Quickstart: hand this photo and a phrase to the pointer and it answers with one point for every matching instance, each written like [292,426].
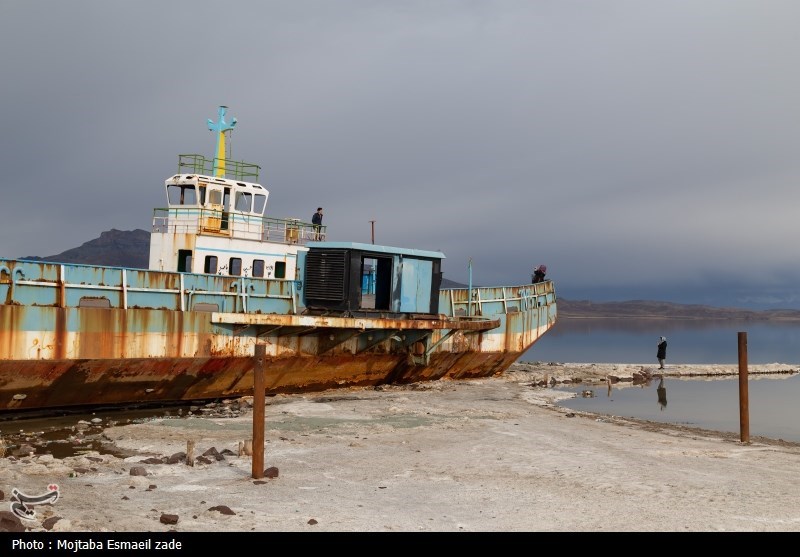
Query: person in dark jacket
[538,274]
[662,351]
[316,220]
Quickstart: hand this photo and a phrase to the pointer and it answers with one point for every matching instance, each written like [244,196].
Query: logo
[22,507]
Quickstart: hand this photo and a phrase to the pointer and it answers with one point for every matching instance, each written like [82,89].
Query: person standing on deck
[316,220]
[662,351]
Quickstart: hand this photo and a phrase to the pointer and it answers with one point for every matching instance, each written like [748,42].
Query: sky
[641,149]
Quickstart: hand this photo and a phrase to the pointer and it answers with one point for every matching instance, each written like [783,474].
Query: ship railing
[45,284]
[197,220]
[493,300]
[235,170]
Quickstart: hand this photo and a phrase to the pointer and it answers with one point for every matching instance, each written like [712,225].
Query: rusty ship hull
[223,278]
[77,335]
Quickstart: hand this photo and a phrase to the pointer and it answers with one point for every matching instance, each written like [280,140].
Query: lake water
[633,341]
[711,404]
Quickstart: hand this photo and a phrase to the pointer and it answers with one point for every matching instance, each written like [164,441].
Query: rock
[203,460]
[222,509]
[271,472]
[152,460]
[168,518]
[177,458]
[9,522]
[151,487]
[214,453]
[2,495]
[138,471]
[48,523]
[312,521]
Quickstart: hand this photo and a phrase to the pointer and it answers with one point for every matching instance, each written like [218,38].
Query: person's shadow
[662,394]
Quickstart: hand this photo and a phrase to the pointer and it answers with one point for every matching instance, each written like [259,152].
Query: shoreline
[549,373]
[493,454]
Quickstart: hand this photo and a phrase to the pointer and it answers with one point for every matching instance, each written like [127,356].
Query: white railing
[235,225]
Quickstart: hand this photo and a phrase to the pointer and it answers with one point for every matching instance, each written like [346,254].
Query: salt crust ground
[487,455]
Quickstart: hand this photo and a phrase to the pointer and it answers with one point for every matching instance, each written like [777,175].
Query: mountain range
[131,248]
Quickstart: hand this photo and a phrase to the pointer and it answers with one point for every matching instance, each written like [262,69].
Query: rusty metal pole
[372,222]
[259,403]
[744,405]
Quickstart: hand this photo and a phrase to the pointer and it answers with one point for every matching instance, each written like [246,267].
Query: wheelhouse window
[259,203]
[258,267]
[211,265]
[235,266]
[182,194]
[280,269]
[244,201]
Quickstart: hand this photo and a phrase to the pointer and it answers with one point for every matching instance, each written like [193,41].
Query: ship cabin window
[215,197]
[184,261]
[280,269]
[259,203]
[258,267]
[235,266]
[210,266]
[181,194]
[244,201]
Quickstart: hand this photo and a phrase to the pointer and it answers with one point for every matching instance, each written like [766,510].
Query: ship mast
[220,127]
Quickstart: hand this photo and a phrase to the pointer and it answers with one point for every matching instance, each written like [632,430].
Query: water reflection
[661,390]
[709,403]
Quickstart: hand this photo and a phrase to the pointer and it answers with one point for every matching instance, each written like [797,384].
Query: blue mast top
[220,127]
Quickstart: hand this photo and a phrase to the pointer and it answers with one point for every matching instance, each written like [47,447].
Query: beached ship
[223,278]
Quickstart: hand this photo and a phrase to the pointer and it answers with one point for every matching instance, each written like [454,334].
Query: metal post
[259,403]
[372,223]
[469,302]
[744,405]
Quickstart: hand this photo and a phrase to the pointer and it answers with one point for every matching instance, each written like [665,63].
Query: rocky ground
[480,455]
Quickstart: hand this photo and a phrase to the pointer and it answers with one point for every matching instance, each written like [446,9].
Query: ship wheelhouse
[217,225]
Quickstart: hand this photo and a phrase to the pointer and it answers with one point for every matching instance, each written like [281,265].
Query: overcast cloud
[640,149]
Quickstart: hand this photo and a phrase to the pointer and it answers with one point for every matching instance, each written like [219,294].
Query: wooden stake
[259,403]
[190,453]
[744,403]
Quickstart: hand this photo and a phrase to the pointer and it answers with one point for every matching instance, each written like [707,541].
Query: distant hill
[116,248]
[647,308]
[131,248]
